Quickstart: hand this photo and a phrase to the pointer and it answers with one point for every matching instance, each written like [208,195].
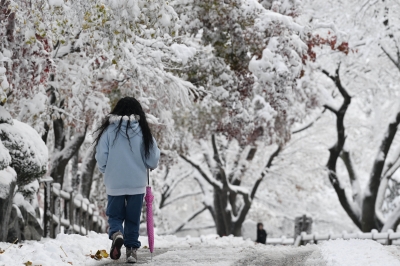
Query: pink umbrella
[149,215]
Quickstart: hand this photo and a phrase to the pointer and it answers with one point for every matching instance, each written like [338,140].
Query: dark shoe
[131,256]
[118,241]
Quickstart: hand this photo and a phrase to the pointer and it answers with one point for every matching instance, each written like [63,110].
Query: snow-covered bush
[5,158]
[7,176]
[23,159]
[3,80]
[8,179]
[27,150]
[26,208]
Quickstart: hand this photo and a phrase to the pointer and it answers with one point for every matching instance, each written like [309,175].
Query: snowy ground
[207,250]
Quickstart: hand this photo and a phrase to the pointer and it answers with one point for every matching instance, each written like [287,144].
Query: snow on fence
[280,241]
[387,238]
[69,211]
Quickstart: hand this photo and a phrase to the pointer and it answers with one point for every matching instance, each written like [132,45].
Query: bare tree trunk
[392,221]
[392,167]
[220,204]
[60,159]
[46,133]
[355,184]
[362,208]
[6,12]
[74,171]
[88,166]
[165,189]
[368,208]
[59,134]
[52,99]
[228,218]
[336,150]
[233,197]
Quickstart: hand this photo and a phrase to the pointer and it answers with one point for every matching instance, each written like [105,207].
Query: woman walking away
[125,150]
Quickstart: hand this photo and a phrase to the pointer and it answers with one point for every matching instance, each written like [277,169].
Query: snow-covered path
[211,255]
[235,256]
[332,253]
[144,257]
[207,250]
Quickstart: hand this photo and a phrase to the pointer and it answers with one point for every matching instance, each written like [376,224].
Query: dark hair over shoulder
[128,106]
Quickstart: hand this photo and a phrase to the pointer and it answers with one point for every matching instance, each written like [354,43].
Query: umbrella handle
[148,177]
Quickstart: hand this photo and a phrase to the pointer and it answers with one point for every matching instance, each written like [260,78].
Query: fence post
[87,219]
[91,224]
[77,216]
[47,209]
[58,213]
[81,220]
[389,240]
[71,212]
[302,224]
[52,207]
[66,213]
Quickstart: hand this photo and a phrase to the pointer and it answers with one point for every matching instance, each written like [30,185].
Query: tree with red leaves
[251,70]
[26,56]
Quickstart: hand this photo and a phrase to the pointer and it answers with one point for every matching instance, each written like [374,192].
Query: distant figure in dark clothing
[261,234]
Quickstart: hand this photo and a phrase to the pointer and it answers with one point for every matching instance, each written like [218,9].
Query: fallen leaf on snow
[104,253]
[1,251]
[28,263]
[100,254]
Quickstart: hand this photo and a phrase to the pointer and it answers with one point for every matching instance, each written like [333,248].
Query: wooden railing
[68,210]
[384,238]
[387,238]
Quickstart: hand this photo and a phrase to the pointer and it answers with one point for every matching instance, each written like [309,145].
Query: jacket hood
[133,124]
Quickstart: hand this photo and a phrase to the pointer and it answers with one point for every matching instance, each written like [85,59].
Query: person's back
[125,164]
[125,151]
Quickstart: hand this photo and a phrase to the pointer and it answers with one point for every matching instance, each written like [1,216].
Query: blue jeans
[125,209]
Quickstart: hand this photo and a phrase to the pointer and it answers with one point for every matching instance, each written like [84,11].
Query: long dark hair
[128,106]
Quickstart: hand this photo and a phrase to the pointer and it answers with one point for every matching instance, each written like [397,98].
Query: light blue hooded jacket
[124,166]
